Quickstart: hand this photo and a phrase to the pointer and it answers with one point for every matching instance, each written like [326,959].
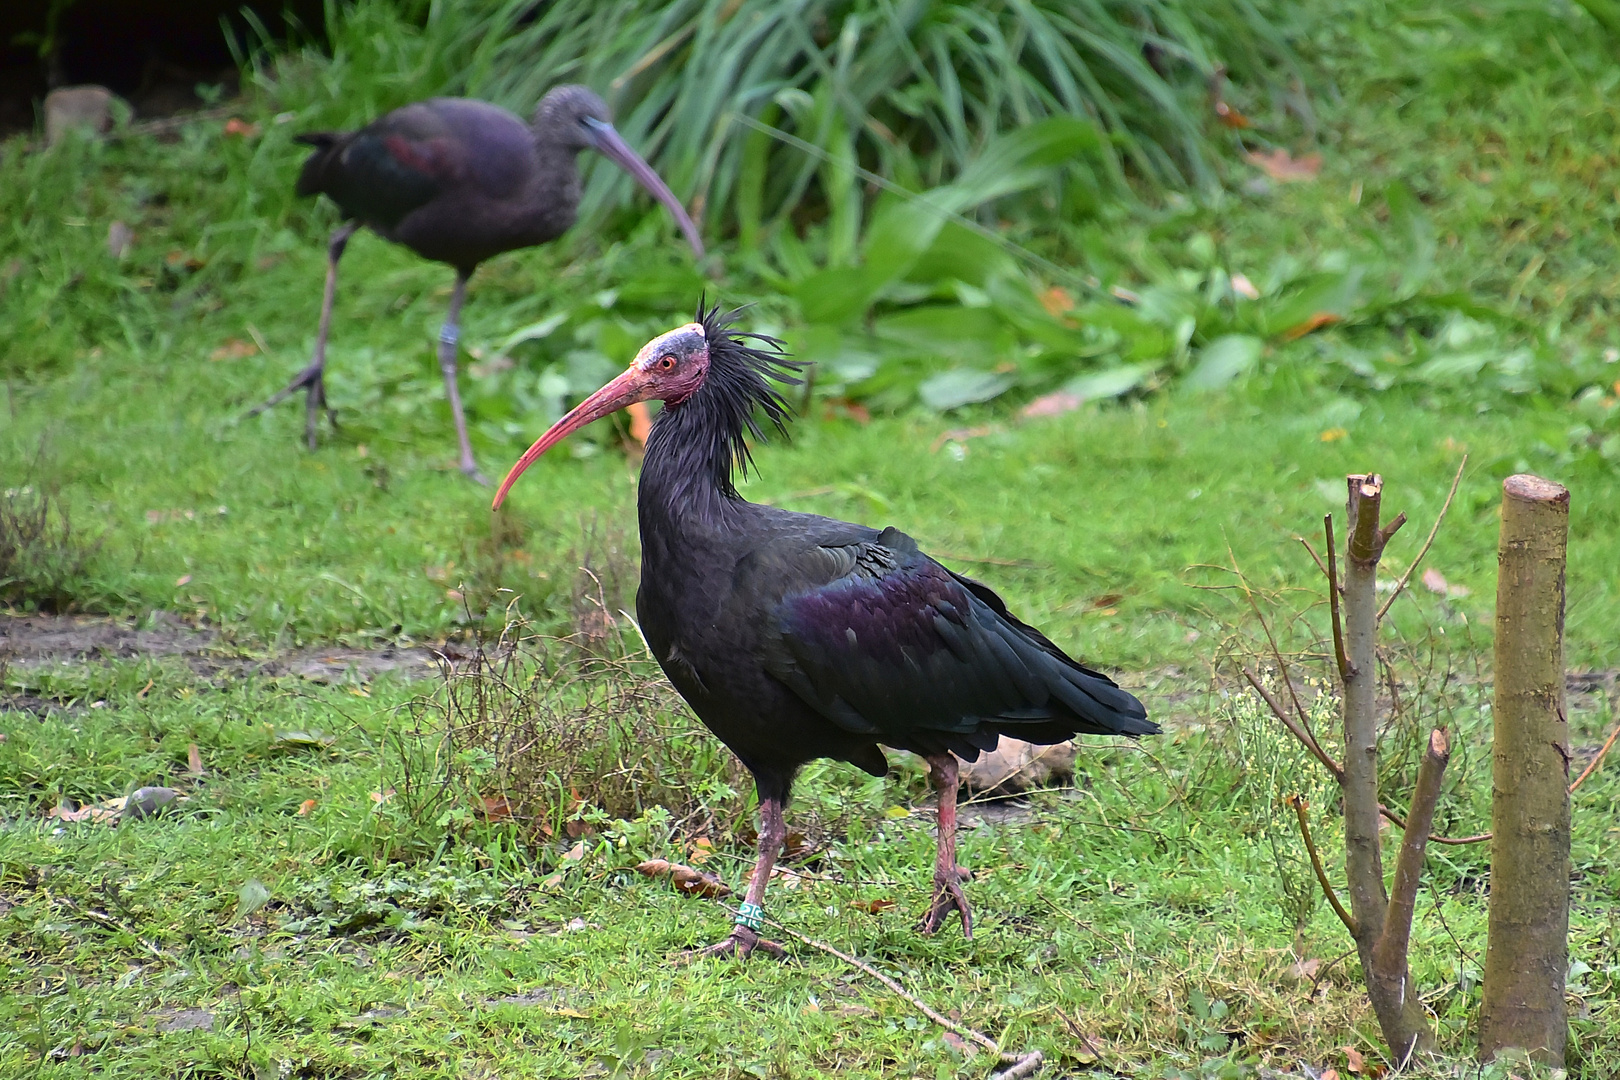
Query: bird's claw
[948,894]
[738,944]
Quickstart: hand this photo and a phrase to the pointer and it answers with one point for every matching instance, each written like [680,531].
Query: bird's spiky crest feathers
[737,391]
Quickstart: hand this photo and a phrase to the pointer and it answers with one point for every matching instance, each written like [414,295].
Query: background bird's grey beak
[612,146]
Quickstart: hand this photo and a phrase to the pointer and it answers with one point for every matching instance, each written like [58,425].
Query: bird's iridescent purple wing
[891,644]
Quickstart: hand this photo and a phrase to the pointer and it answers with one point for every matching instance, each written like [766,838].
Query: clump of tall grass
[911,89]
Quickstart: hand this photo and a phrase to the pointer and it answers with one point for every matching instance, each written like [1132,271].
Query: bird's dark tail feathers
[312,178]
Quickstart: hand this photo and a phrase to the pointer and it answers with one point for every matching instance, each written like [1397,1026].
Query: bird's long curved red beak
[630,387]
[613,147]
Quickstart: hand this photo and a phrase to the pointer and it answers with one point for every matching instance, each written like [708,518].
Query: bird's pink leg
[744,938]
[312,380]
[449,337]
[948,876]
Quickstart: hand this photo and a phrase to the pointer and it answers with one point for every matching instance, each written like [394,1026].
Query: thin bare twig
[1078,1032]
[1282,666]
[1400,822]
[1400,583]
[1592,766]
[1015,1060]
[1347,670]
[1319,563]
[1299,806]
[1302,734]
[113,924]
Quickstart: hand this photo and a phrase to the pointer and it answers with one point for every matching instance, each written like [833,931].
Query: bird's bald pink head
[670,368]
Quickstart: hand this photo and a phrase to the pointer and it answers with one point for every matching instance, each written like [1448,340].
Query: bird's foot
[304,380]
[948,895]
[471,472]
[738,944]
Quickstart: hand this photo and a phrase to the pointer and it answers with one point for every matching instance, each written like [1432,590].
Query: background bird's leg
[312,380]
[449,337]
[745,939]
[948,877]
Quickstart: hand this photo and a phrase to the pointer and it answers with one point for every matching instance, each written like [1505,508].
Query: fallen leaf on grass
[183,579]
[194,764]
[1303,970]
[575,853]
[305,807]
[1330,1074]
[1353,1059]
[234,349]
[959,1044]
[380,797]
[1054,404]
[961,435]
[1284,168]
[685,879]
[873,907]
[1435,582]
[102,812]
[241,128]
[1056,301]
[495,808]
[1310,325]
[312,738]
[1244,287]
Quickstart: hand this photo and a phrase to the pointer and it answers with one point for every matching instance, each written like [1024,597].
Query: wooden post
[1527,952]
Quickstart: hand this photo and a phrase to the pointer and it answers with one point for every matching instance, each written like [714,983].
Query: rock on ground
[77,106]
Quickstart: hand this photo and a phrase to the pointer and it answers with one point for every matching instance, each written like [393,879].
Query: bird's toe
[739,944]
[948,897]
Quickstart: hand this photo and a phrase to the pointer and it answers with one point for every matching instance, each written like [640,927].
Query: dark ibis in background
[795,637]
[459,181]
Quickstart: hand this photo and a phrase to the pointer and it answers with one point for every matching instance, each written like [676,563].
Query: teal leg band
[750,915]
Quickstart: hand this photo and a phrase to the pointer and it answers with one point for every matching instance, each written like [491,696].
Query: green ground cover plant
[1441,282]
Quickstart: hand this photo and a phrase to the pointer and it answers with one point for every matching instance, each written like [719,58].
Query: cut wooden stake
[1527,950]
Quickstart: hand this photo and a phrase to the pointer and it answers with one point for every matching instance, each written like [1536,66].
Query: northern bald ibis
[796,637]
[459,181]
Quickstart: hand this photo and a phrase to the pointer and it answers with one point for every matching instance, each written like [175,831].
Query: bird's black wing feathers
[883,641]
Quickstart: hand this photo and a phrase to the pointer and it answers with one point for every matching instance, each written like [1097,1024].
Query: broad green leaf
[1223,360]
[1111,383]
[250,898]
[961,386]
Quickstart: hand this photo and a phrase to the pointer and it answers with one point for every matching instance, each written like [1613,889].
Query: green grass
[1098,525]
[1142,904]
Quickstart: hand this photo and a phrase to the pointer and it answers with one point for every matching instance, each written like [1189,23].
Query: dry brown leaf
[1330,1074]
[852,410]
[234,349]
[575,853]
[1310,325]
[1230,117]
[685,879]
[1056,301]
[1304,970]
[495,808]
[640,422]
[1353,1059]
[1284,168]
[1054,404]
[380,797]
[305,807]
[194,763]
[873,907]
[102,813]
[241,128]
[183,579]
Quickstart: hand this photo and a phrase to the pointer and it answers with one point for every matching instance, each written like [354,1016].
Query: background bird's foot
[739,944]
[471,472]
[948,896]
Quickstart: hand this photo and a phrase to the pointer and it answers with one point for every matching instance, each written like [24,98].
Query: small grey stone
[186,1020]
[77,106]
[149,802]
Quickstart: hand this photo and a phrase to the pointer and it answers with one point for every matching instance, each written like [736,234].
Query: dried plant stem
[1299,806]
[1400,583]
[1020,1065]
[1400,822]
[1300,733]
[1592,766]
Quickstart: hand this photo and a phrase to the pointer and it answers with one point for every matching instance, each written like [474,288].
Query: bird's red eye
[667,364]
